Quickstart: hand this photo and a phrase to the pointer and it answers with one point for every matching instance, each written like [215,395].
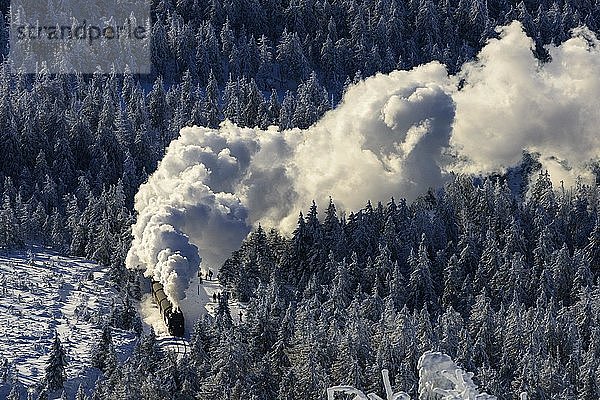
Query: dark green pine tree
[103,353]
[81,394]
[420,282]
[55,374]
[223,320]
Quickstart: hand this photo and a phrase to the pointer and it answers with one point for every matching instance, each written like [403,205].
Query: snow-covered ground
[42,292]
[199,301]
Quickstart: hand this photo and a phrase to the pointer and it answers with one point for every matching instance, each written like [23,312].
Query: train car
[172,316]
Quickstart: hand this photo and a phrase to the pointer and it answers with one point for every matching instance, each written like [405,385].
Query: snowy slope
[200,301]
[44,292]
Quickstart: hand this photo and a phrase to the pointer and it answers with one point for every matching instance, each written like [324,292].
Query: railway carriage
[172,316]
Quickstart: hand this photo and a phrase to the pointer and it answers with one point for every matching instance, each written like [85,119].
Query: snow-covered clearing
[42,292]
[199,298]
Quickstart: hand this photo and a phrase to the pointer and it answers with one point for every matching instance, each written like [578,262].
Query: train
[172,316]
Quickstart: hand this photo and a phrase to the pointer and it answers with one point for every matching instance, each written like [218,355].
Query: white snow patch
[441,378]
[49,292]
[199,301]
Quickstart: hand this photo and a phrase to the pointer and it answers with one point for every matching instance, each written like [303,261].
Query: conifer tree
[55,371]
[420,283]
[286,114]
[14,393]
[81,393]
[212,113]
[103,353]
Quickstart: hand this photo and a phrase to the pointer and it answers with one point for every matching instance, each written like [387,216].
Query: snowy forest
[505,287]
[75,164]
[499,272]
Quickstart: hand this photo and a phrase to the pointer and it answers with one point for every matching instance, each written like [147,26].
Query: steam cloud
[510,103]
[395,134]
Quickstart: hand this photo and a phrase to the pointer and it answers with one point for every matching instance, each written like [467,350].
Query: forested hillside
[507,288]
[256,63]
[499,272]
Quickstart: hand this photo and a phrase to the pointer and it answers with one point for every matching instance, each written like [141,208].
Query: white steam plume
[391,135]
[510,103]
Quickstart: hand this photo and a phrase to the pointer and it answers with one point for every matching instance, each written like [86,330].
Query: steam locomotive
[172,316]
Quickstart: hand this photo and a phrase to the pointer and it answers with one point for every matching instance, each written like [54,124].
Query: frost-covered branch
[439,379]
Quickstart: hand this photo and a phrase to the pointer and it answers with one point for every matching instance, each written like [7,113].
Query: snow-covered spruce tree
[420,283]
[223,320]
[288,107]
[211,111]
[313,102]
[15,392]
[10,230]
[55,371]
[103,354]
[81,394]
